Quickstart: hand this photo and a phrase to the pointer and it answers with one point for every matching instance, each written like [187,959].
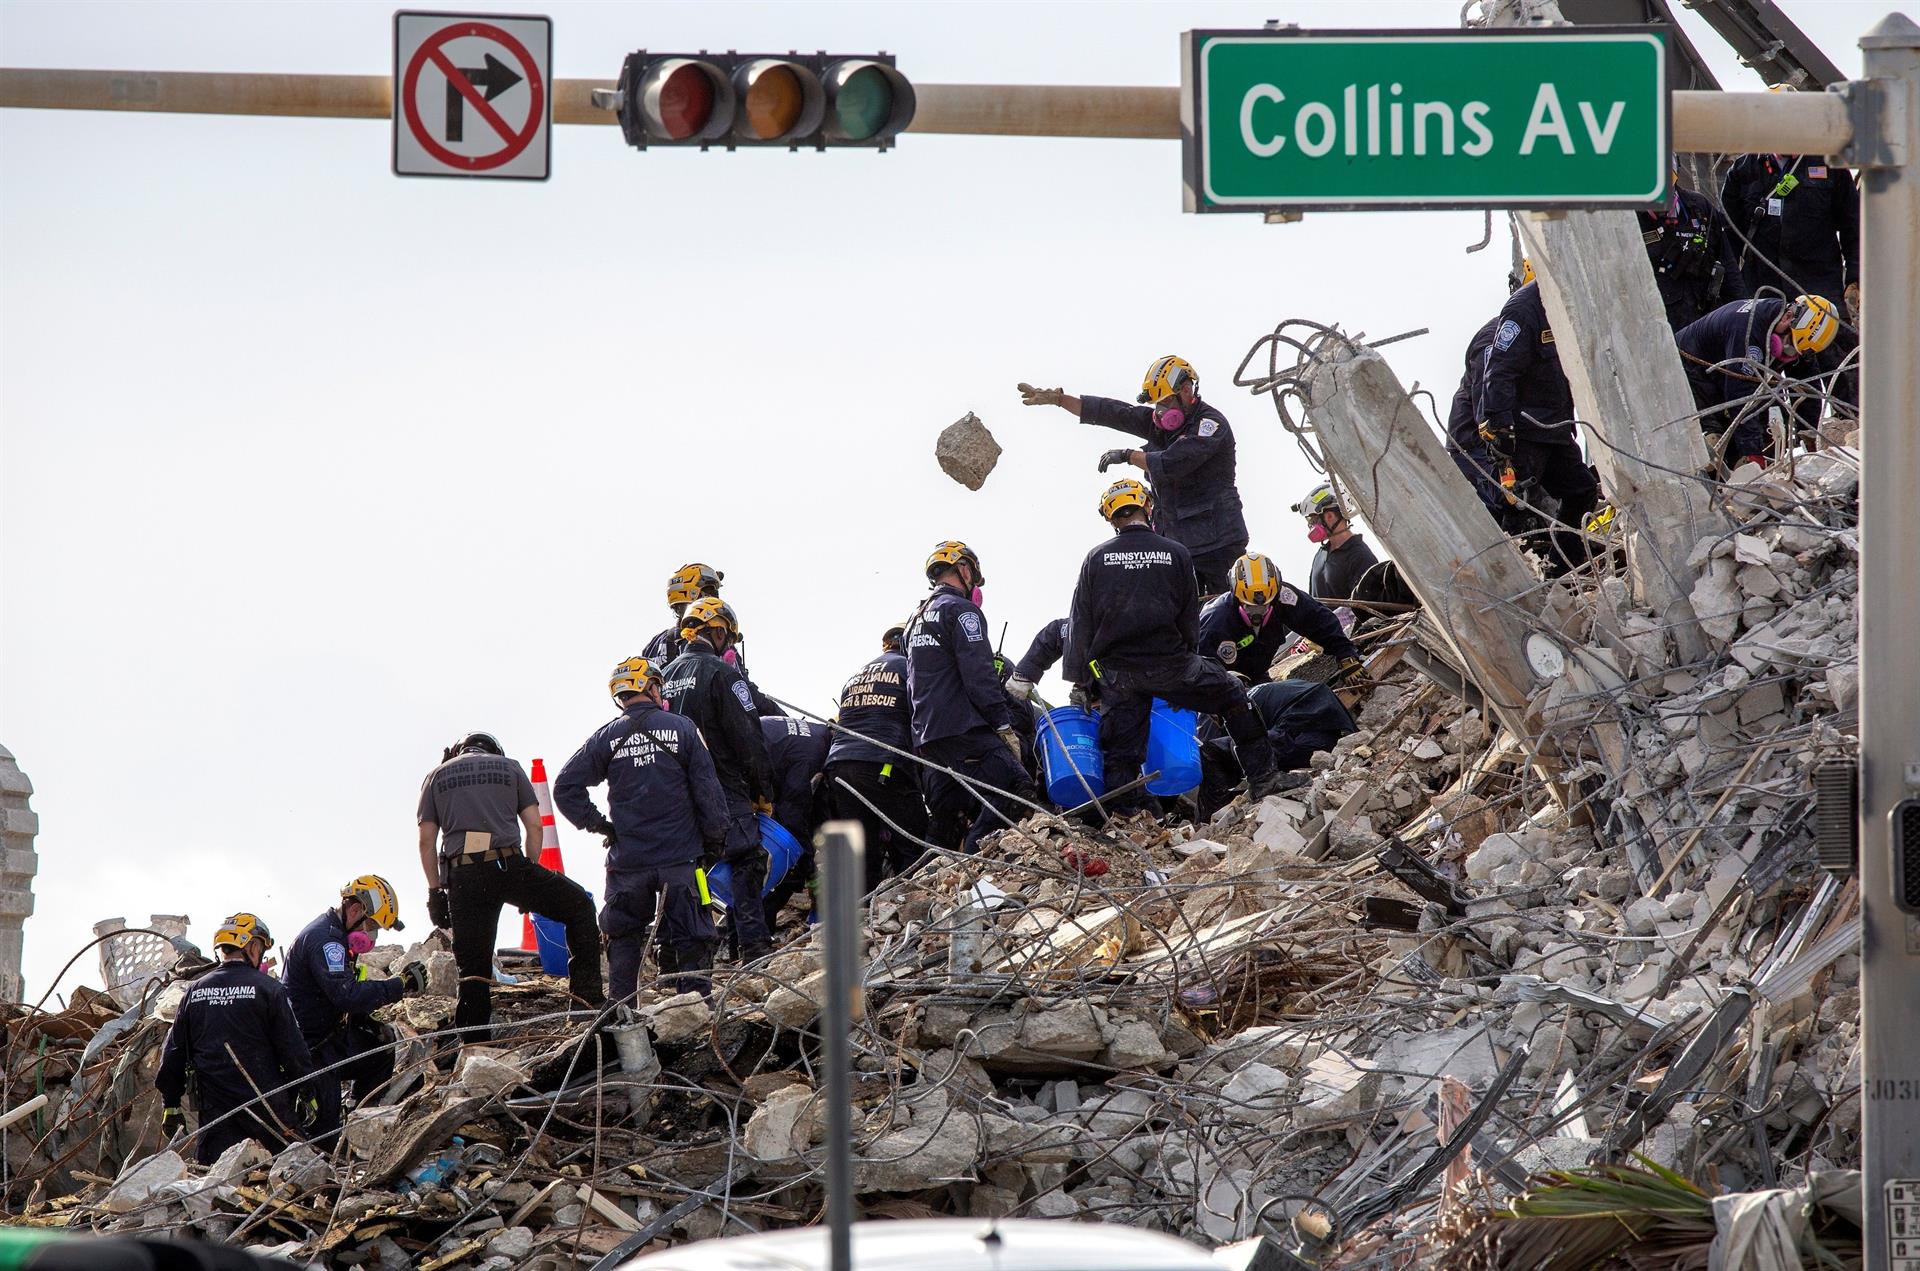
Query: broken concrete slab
[966,451]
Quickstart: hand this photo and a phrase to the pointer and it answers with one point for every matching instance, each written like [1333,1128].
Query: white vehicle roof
[942,1244]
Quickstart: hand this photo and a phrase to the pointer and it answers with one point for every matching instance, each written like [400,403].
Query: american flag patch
[1817,174]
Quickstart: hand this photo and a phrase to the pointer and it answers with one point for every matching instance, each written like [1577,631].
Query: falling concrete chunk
[967,451]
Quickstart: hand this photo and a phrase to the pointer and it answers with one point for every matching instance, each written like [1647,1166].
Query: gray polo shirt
[475,793]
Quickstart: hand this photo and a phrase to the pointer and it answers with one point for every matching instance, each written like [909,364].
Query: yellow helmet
[632,676]
[1122,494]
[240,931]
[1814,323]
[690,582]
[1256,580]
[377,895]
[1165,377]
[953,552]
[710,612]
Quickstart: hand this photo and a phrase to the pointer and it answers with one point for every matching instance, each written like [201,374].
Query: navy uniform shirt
[950,677]
[664,796]
[1522,387]
[717,698]
[1736,334]
[1135,604]
[874,703]
[1801,214]
[1049,645]
[1191,469]
[322,984]
[234,1013]
[1690,248]
[797,749]
[1229,639]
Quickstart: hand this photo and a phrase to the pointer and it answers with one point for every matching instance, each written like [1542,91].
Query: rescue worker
[473,810]
[1801,218]
[960,716]
[796,754]
[335,1007]
[236,1034]
[1343,557]
[1728,356]
[865,780]
[668,818]
[701,685]
[1690,247]
[1301,718]
[1525,416]
[1188,458]
[1134,627]
[1465,446]
[686,585]
[1247,628]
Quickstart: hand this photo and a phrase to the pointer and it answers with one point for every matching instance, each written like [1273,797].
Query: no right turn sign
[472,95]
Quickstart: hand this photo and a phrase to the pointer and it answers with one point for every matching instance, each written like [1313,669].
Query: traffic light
[761,99]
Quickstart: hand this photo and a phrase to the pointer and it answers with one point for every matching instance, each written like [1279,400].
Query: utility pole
[1886,147]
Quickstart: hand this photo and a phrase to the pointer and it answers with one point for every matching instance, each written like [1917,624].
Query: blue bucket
[1173,750]
[551,937]
[782,851]
[1069,738]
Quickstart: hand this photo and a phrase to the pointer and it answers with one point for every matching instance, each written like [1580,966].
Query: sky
[307,469]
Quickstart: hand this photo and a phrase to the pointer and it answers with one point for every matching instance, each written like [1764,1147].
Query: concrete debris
[1238,1015]
[966,451]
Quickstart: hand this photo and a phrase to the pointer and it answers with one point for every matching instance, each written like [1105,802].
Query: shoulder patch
[971,626]
[1288,596]
[1208,427]
[1509,332]
[1817,173]
[336,956]
[1228,651]
[1546,335]
[745,694]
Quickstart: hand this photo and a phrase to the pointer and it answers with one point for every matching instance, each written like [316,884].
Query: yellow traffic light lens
[863,104]
[774,101]
[686,103]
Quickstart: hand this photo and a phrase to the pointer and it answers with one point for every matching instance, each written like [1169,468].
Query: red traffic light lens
[686,102]
[863,104]
[774,102]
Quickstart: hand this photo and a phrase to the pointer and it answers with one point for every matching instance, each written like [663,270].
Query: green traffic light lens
[686,102]
[863,104]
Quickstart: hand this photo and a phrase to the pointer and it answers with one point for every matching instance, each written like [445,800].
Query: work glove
[1112,457]
[763,806]
[306,1110]
[1079,695]
[439,907]
[610,837]
[1020,686]
[1497,434]
[1031,396]
[172,1121]
[1851,298]
[1011,740]
[1352,673]
[413,978]
[711,853]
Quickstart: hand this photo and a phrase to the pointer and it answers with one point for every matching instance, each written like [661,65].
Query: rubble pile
[1351,1015]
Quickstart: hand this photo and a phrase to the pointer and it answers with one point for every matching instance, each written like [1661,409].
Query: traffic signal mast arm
[1789,123]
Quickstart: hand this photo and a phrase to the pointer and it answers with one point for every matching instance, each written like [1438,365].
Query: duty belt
[482,858]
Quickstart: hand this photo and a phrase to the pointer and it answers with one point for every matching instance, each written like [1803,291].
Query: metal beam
[1796,123]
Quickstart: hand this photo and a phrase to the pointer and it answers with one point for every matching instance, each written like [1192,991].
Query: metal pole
[1887,132]
[1798,123]
[841,848]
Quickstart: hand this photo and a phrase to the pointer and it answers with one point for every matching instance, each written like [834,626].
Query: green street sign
[1574,117]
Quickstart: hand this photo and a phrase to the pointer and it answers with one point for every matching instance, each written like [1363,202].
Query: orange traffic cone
[549,844]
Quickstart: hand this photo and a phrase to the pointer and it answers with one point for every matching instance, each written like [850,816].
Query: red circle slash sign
[512,142]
